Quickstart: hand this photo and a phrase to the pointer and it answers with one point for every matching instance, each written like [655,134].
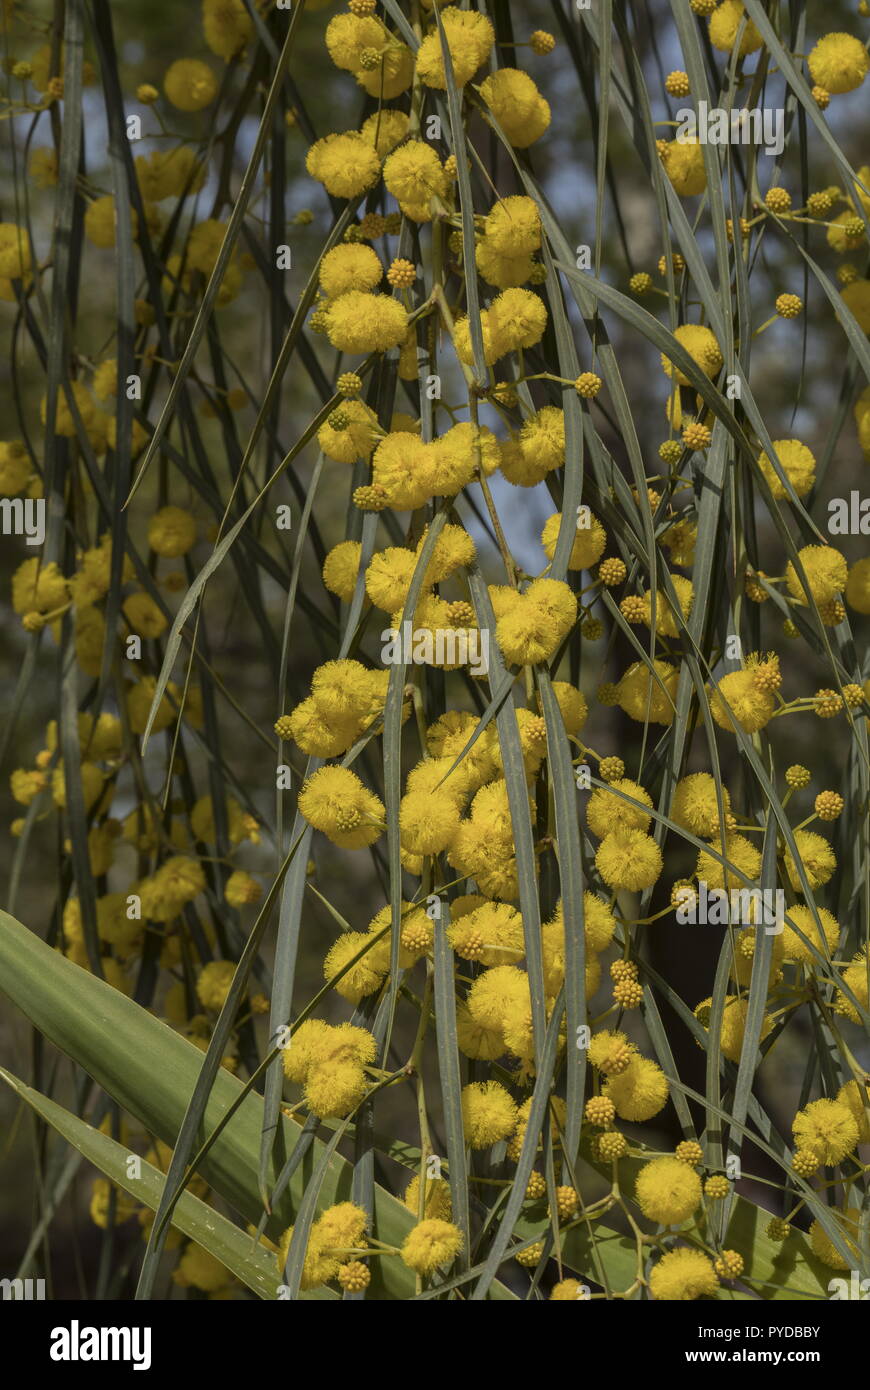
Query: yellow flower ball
[701,345]
[683,1274]
[838,63]
[607,811]
[431,1244]
[724,24]
[190,84]
[644,696]
[857,589]
[800,918]
[797,462]
[737,697]
[470,37]
[341,568]
[346,164]
[683,162]
[227,27]
[668,1191]
[349,266]
[826,1127]
[172,532]
[588,544]
[489,1113]
[695,806]
[823,1247]
[629,859]
[517,105]
[358,322]
[639,1092]
[816,856]
[856,297]
[214,982]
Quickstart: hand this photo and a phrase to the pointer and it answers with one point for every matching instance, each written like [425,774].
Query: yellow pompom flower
[385,129]
[360,322]
[335,801]
[413,173]
[668,1191]
[348,35]
[588,545]
[15,467]
[401,466]
[38,587]
[838,63]
[629,859]
[349,266]
[737,696]
[513,226]
[227,26]
[823,1247]
[639,1092]
[431,1244]
[489,1113]
[724,24]
[683,1274]
[733,1025]
[172,532]
[518,318]
[42,168]
[797,462]
[572,706]
[517,105]
[359,436]
[695,806]
[428,821]
[341,568]
[647,696]
[567,1291]
[491,933]
[740,853]
[826,571]
[453,460]
[100,221]
[818,860]
[346,164]
[144,617]
[241,889]
[826,1127]
[855,978]
[857,1102]
[190,84]
[800,918]
[683,162]
[857,589]
[214,982]
[470,37]
[362,978]
[436,1198]
[14,252]
[607,811]
[856,297]
[537,622]
[392,75]
[701,345]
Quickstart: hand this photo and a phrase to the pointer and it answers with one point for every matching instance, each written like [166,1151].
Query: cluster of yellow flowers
[480,805]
